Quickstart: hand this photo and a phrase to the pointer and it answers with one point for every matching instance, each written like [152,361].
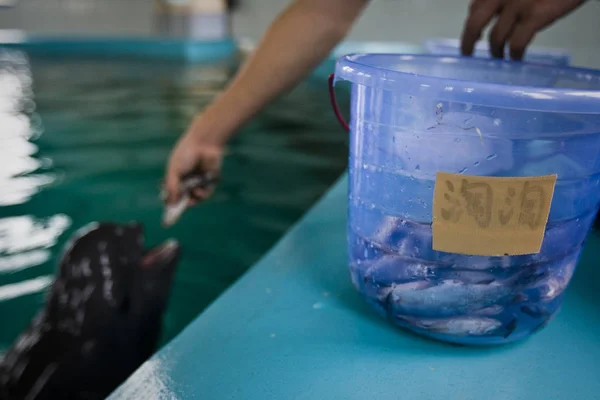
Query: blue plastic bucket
[413,116]
[534,54]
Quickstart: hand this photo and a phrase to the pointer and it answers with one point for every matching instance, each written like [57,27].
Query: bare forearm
[301,37]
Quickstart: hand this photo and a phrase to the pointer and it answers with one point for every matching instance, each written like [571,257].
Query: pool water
[86,139]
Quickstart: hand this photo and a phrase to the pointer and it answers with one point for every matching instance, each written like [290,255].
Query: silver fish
[468,276]
[394,269]
[491,310]
[455,297]
[536,311]
[551,288]
[382,293]
[173,212]
[458,326]
[450,297]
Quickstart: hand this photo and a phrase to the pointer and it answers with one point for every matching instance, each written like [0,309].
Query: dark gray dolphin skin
[102,318]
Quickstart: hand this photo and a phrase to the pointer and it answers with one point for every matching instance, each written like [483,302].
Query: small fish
[542,324]
[535,311]
[189,183]
[547,289]
[450,297]
[395,269]
[458,326]
[519,298]
[457,297]
[534,277]
[469,276]
[382,293]
[510,328]
[409,239]
[491,310]
[553,288]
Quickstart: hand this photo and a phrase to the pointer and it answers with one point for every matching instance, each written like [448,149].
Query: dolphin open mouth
[161,254]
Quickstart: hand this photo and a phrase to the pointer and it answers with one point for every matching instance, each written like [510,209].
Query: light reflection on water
[17,262]
[24,240]
[10,291]
[17,111]
[24,233]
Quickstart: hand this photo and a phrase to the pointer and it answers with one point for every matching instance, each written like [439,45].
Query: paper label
[490,216]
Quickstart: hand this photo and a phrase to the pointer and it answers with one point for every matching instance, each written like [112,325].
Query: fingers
[517,24]
[502,30]
[520,39]
[201,193]
[192,202]
[535,16]
[198,195]
[480,14]
[172,182]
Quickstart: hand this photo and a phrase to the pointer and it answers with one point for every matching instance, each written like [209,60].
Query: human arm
[297,41]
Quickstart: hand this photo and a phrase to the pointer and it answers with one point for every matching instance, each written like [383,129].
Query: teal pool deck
[293,326]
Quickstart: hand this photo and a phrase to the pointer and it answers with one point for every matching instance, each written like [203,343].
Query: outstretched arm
[299,39]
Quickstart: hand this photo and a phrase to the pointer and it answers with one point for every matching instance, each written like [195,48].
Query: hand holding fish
[192,172]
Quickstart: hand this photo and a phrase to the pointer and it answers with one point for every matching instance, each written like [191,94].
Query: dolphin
[101,320]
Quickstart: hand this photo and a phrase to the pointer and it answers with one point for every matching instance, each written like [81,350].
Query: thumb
[172,186]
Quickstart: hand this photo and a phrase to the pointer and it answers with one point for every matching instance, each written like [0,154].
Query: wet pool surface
[86,140]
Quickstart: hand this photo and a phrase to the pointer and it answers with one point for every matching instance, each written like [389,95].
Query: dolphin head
[102,318]
[109,264]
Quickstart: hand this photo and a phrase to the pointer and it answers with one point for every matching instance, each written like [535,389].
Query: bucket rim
[350,67]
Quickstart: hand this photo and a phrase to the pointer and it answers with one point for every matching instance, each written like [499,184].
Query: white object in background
[12,35]
[193,19]
[208,6]
[78,7]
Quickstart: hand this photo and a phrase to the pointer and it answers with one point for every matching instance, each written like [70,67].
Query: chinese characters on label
[491,215]
[475,200]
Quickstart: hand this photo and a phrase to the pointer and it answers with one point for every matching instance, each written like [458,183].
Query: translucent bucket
[413,116]
[534,54]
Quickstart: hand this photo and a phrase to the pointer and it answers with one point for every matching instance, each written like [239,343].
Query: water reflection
[18,125]
[24,233]
[31,286]
[17,262]
[24,241]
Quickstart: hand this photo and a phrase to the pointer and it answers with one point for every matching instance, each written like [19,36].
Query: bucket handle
[334,105]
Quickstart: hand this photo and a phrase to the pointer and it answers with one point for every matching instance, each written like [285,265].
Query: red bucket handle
[334,105]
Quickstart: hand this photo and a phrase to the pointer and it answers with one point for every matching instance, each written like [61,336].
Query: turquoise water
[86,139]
